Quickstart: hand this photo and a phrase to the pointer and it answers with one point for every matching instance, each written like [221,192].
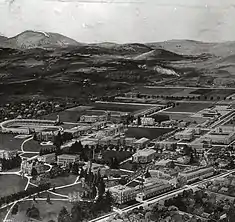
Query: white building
[48,158]
[147,121]
[142,143]
[144,156]
[65,159]
[7,154]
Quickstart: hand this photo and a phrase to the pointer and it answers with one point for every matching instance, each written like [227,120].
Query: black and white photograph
[117,111]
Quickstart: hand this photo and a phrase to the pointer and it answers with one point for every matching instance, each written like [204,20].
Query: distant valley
[50,64]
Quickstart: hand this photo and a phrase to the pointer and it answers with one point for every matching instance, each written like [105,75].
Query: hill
[159,54]
[33,39]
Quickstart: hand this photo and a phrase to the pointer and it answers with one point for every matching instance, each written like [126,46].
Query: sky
[122,20]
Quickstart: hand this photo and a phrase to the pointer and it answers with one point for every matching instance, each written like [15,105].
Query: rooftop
[67,156]
[145,152]
[142,140]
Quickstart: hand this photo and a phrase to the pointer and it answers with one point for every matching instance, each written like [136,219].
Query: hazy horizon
[140,21]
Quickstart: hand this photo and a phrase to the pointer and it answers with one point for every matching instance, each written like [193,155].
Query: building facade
[65,159]
[144,156]
[48,158]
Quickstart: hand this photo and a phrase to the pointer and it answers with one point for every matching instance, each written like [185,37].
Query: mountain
[34,39]
[191,47]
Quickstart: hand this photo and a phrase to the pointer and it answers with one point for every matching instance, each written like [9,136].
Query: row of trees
[22,194]
[8,164]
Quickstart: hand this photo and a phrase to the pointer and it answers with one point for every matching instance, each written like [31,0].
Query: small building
[66,159]
[144,156]
[142,143]
[48,158]
[8,154]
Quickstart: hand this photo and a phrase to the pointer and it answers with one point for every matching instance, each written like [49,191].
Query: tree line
[22,194]
[12,163]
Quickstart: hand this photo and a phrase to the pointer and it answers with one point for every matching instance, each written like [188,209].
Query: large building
[187,134]
[147,121]
[150,187]
[79,131]
[220,137]
[48,158]
[65,159]
[144,156]
[141,143]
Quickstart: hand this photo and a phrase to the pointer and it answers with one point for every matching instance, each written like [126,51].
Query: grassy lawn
[47,211]
[120,155]
[60,181]
[34,146]
[8,142]
[3,212]
[190,107]
[11,184]
[119,107]
[67,190]
[150,133]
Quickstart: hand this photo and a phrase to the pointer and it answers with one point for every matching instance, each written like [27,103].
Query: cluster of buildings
[28,165]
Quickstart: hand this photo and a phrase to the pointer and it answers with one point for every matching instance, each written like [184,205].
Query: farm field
[34,146]
[8,142]
[150,133]
[73,114]
[158,91]
[119,107]
[11,184]
[185,117]
[46,211]
[190,107]
[216,93]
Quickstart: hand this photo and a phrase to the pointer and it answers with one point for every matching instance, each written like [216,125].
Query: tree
[76,213]
[34,173]
[48,199]
[15,209]
[147,174]
[33,212]
[64,216]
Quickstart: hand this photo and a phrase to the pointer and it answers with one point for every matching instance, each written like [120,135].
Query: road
[161,197]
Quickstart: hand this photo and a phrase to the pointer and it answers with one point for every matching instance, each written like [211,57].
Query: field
[150,133]
[159,91]
[3,212]
[214,92]
[8,142]
[47,211]
[73,114]
[185,117]
[190,107]
[71,189]
[60,181]
[120,155]
[11,184]
[34,146]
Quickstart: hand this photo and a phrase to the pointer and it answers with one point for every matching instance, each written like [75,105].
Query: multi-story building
[48,158]
[79,131]
[144,156]
[122,194]
[65,159]
[220,137]
[187,134]
[147,121]
[141,143]
[27,166]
